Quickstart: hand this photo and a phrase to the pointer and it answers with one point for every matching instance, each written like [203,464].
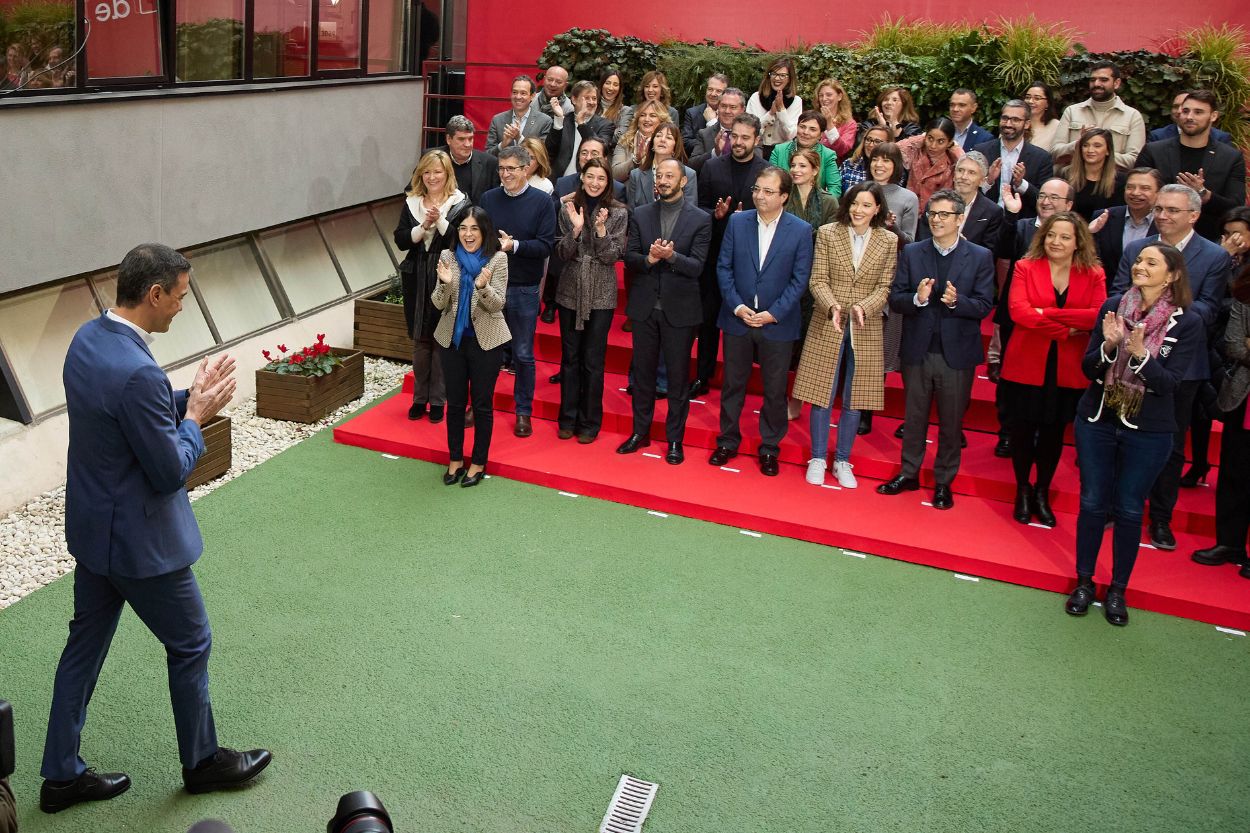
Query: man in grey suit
[555,81]
[133,441]
[511,126]
[714,139]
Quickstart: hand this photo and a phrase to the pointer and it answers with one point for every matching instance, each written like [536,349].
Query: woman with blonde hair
[427,228]
[539,168]
[855,166]
[835,106]
[631,150]
[777,105]
[654,88]
[1093,175]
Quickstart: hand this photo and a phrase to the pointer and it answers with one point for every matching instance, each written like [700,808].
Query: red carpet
[978,537]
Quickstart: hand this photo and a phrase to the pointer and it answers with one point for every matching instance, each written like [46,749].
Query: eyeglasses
[510,168]
[768,192]
[1012,119]
[778,74]
[1044,197]
[868,141]
[1172,210]
[1034,98]
[941,215]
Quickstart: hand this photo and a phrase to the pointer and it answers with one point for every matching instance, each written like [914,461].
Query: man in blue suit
[764,264]
[132,442]
[1177,209]
[943,287]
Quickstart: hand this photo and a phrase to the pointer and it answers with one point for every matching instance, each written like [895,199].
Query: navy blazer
[1209,267]
[1171,131]
[976,135]
[674,281]
[130,453]
[1038,167]
[972,272]
[1161,374]
[692,123]
[1110,240]
[983,226]
[777,286]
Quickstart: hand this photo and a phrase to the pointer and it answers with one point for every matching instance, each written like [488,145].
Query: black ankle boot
[1041,506]
[1024,503]
[1082,597]
[865,423]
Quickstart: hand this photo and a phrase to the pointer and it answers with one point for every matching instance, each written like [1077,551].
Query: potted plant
[305,385]
[217,456]
[380,328]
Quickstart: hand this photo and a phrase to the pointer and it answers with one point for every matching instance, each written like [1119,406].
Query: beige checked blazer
[487,312]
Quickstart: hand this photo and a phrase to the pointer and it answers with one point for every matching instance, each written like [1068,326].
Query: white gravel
[32,538]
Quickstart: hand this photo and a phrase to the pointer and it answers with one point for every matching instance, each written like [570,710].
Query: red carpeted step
[977,537]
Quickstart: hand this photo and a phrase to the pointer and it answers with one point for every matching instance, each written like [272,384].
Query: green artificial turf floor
[491,660]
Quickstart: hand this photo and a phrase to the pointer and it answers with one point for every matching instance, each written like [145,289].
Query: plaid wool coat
[834,279]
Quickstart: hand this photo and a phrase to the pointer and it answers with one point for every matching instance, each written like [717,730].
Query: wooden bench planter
[216,459]
[380,329]
[309,398]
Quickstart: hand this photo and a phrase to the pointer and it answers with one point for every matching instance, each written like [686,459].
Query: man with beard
[1013,161]
[1103,108]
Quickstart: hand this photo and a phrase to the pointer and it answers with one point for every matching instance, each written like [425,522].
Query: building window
[388,36]
[125,40]
[35,331]
[280,42]
[303,265]
[358,247]
[386,215]
[209,41]
[229,278]
[39,44]
[338,35]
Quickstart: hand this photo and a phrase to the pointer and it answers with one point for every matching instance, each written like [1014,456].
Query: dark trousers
[923,384]
[552,282]
[654,338]
[1035,446]
[1164,492]
[582,354]
[1118,464]
[709,333]
[427,374]
[774,361]
[470,370]
[1232,491]
[173,610]
[8,808]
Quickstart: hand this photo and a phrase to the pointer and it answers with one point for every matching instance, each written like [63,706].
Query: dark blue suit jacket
[675,281]
[778,285]
[1110,240]
[1209,267]
[972,272]
[130,452]
[1171,131]
[975,136]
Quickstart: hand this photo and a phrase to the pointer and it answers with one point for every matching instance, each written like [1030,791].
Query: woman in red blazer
[1056,292]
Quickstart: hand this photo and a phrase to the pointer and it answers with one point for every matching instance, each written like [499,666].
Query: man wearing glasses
[1015,162]
[943,287]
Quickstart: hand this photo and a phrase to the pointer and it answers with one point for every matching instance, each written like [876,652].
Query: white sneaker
[816,472]
[842,471]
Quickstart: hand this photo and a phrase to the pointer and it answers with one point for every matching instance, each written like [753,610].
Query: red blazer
[1024,360]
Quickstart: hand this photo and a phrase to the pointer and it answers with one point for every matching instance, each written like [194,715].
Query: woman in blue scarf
[472,286]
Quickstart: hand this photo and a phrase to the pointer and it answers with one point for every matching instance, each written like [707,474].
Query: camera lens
[360,812]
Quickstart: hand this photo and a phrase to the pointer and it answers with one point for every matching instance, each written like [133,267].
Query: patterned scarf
[1125,390]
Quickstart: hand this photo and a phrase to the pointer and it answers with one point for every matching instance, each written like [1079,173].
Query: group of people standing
[802,240]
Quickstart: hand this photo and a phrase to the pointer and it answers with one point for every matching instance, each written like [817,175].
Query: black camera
[360,812]
[8,761]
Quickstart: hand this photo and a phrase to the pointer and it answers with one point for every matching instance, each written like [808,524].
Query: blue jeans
[1118,467]
[848,423]
[520,310]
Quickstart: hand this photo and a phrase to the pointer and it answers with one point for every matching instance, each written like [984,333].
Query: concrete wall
[83,183]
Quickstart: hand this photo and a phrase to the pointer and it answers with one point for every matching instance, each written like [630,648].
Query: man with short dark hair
[1114,228]
[944,287]
[1103,108]
[475,169]
[133,441]
[702,116]
[1015,162]
[508,128]
[715,139]
[1215,170]
[963,107]
[573,125]
[668,243]
[555,81]
[1171,130]
[764,264]
[525,218]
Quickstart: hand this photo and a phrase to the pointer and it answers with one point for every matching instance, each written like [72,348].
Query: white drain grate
[629,806]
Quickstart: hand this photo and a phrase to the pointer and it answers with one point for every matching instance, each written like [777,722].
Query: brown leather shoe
[523,427]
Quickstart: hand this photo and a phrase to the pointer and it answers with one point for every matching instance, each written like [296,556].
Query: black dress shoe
[1161,535]
[564,434]
[436,413]
[698,388]
[1114,608]
[1219,554]
[898,432]
[416,411]
[865,423]
[471,480]
[1041,507]
[523,427]
[898,484]
[1002,448]
[1023,511]
[721,456]
[675,455]
[227,768]
[90,786]
[451,479]
[633,443]
[549,315]
[1244,572]
[942,498]
[768,465]
[1080,599]
[556,378]
[963,440]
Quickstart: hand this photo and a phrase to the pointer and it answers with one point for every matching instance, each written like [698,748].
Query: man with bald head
[555,81]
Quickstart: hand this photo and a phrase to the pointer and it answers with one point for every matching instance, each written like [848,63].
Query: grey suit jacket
[537,125]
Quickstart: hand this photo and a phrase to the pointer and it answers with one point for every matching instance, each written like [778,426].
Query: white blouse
[779,127]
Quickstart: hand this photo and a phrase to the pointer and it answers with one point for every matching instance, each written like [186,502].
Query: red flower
[297,359]
[321,337]
[322,348]
[307,351]
[265,353]
[282,347]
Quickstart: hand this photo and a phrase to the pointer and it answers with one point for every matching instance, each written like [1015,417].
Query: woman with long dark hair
[472,287]
[611,96]
[1093,175]
[896,112]
[777,105]
[930,159]
[1125,421]
[1043,115]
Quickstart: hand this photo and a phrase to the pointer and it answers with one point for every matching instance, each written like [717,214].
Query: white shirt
[147,337]
[1181,245]
[767,231]
[859,242]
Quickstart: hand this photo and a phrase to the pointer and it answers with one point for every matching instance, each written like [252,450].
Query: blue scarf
[471,264]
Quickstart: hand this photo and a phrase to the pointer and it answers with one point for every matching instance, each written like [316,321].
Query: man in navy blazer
[1122,224]
[1014,160]
[963,107]
[764,265]
[943,287]
[1171,131]
[668,242]
[1177,210]
[133,441]
[702,116]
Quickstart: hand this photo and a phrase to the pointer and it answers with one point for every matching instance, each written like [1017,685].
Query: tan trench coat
[834,279]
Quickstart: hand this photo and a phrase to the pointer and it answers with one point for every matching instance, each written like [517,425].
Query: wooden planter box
[380,329]
[216,459]
[309,398]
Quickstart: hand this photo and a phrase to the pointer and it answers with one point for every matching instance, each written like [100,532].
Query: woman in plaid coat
[852,269]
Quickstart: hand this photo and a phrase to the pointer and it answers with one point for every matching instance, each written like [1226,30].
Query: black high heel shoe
[473,479]
[452,478]
[1196,474]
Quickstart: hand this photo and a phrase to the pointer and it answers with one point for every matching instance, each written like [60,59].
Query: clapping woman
[472,286]
[777,105]
[1144,343]
[592,238]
